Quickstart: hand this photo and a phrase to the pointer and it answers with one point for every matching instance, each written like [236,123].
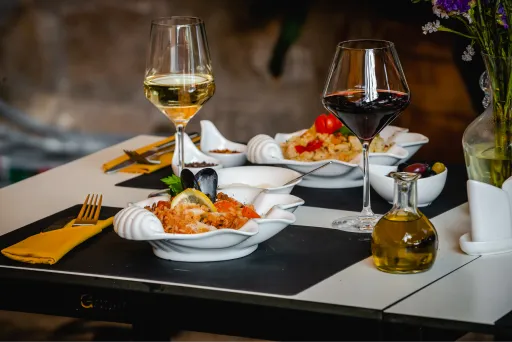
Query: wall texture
[79,64]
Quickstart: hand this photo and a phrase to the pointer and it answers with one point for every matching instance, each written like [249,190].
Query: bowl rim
[297,174]
[372,171]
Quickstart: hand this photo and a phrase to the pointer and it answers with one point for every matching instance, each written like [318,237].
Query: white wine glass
[178,78]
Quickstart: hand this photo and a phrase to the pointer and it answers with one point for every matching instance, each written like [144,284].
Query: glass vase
[487,141]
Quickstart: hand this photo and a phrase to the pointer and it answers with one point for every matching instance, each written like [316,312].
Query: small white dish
[192,155]
[428,188]
[269,178]
[484,248]
[137,223]
[412,142]
[212,139]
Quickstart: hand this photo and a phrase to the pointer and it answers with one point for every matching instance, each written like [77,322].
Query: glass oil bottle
[404,240]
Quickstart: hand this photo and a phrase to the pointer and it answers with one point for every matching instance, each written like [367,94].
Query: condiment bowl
[212,140]
[428,188]
[193,155]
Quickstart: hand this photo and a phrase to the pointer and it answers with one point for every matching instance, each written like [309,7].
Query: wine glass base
[356,224]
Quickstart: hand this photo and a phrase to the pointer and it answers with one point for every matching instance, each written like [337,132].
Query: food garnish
[174,184]
[327,123]
[194,196]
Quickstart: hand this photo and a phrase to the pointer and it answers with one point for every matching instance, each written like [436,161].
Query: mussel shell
[188,180]
[208,181]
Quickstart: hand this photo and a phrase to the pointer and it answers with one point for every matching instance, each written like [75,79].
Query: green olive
[438,168]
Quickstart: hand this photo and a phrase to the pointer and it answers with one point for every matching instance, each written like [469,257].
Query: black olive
[401,167]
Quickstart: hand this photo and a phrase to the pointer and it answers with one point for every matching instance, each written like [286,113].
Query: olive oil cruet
[404,240]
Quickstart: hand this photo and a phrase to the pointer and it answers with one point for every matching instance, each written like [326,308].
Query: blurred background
[71,72]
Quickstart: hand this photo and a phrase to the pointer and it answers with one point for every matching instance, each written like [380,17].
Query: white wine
[179,96]
[481,159]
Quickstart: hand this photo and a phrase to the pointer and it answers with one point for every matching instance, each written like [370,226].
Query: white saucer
[484,248]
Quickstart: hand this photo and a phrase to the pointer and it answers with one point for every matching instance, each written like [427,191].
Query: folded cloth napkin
[165,159]
[50,247]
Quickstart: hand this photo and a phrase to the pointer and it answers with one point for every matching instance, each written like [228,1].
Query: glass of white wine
[179,77]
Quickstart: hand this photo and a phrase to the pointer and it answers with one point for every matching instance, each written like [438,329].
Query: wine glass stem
[367,210]
[180,130]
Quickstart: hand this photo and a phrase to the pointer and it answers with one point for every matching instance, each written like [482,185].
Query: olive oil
[404,240]
[179,96]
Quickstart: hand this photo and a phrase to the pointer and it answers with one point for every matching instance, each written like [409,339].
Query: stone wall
[79,64]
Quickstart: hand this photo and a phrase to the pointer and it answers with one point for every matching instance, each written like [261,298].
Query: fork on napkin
[165,159]
[50,246]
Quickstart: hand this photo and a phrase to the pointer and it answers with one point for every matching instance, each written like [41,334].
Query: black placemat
[293,260]
[351,199]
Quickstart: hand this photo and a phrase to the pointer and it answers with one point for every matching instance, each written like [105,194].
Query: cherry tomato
[311,146]
[327,123]
[249,213]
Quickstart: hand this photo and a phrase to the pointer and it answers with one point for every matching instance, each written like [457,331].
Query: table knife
[146,154]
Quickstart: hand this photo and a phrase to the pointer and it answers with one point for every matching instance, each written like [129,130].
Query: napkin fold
[50,247]
[165,159]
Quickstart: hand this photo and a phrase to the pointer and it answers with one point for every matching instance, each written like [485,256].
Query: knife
[146,154]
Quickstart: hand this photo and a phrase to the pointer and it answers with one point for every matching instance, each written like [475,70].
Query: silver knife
[146,154]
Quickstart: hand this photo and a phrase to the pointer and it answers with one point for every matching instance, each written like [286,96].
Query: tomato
[311,146]
[327,123]
[249,213]
[223,206]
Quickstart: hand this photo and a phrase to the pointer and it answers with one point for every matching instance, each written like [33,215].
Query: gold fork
[90,212]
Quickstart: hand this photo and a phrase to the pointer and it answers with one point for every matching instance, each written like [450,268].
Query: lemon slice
[192,196]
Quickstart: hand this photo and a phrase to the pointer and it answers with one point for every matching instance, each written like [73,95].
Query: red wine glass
[366,89]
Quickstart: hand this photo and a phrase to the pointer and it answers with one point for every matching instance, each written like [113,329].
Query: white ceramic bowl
[137,223]
[428,188]
[262,149]
[212,139]
[412,142]
[193,155]
[270,178]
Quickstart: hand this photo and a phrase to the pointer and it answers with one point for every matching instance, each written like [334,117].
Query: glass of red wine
[366,89]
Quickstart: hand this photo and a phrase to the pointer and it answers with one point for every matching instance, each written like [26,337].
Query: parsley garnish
[174,183]
[345,131]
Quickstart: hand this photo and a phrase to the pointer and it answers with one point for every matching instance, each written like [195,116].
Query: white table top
[360,285]
[480,292]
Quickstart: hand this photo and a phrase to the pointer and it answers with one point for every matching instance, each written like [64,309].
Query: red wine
[366,118]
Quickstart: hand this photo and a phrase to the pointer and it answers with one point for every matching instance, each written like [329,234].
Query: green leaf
[345,131]
[174,183]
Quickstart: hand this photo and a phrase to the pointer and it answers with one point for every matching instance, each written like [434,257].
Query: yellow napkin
[50,247]
[165,159]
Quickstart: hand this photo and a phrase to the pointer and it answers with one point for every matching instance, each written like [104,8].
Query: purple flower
[502,16]
[461,6]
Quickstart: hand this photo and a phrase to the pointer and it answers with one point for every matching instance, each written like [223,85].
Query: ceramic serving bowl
[412,142]
[268,178]
[193,155]
[428,188]
[262,149]
[212,139]
[137,223]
